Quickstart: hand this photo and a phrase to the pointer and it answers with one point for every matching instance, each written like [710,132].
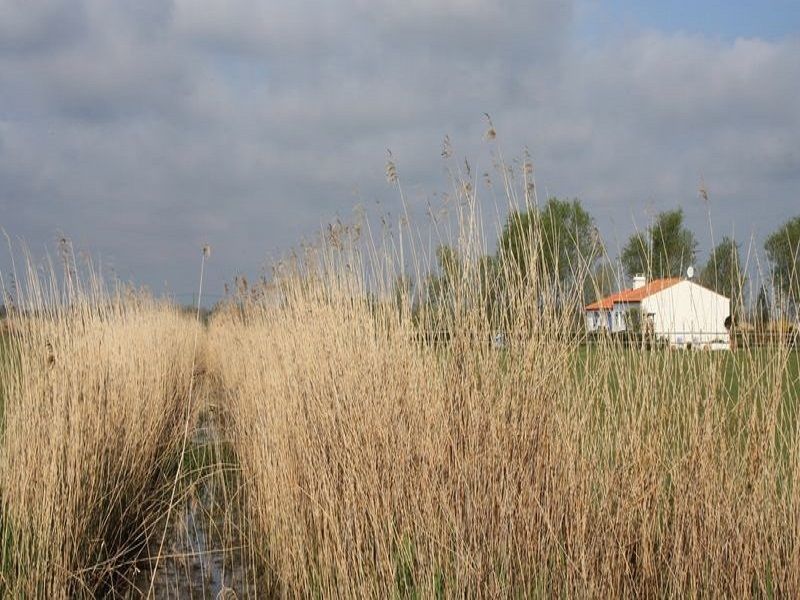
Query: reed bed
[95,389]
[388,446]
[368,423]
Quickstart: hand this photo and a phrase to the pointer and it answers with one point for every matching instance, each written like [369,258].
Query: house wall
[687,313]
[608,320]
[618,315]
[597,320]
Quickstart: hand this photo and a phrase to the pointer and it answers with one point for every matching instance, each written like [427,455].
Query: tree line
[571,254]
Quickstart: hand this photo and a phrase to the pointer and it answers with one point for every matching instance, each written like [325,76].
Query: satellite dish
[690,272]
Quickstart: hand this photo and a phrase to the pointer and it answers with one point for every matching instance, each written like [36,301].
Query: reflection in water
[203,555]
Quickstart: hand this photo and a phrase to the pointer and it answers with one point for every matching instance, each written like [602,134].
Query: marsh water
[204,555]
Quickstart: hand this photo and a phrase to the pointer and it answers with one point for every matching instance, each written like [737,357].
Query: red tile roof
[633,295]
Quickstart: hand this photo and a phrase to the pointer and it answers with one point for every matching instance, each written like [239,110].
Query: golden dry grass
[95,393]
[370,441]
[375,463]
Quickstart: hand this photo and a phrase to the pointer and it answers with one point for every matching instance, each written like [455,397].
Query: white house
[677,310]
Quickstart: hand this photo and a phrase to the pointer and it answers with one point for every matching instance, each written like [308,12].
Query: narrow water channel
[204,555]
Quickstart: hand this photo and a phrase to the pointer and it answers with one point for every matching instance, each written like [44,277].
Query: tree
[401,293]
[455,287]
[665,250]
[603,282]
[762,312]
[561,239]
[440,286]
[488,287]
[783,252]
[723,274]
[635,257]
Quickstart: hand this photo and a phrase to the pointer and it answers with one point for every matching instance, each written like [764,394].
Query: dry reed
[94,391]
[387,447]
[389,441]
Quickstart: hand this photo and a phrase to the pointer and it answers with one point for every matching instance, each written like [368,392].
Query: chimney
[639,281]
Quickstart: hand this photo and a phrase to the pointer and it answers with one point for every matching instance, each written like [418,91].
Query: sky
[142,131]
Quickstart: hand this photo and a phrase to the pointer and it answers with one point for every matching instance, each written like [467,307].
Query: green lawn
[740,368]
[745,388]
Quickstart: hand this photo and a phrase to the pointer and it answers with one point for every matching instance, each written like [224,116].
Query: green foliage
[635,255]
[634,321]
[562,234]
[603,282]
[436,312]
[439,287]
[783,252]
[401,292]
[438,586]
[763,310]
[723,274]
[404,569]
[665,250]
[489,286]
[516,240]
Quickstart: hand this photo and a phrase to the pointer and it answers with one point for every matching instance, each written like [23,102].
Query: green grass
[739,366]
[739,386]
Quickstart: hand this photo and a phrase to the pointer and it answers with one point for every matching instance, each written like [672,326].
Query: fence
[738,339]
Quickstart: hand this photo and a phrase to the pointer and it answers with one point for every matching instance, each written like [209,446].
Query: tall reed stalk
[94,387]
[388,446]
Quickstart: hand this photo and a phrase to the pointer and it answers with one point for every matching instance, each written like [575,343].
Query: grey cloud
[478,28]
[39,26]
[263,29]
[145,130]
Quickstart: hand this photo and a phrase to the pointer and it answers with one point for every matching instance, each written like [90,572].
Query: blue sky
[144,130]
[767,19]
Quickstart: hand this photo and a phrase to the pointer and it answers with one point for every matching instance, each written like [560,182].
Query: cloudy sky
[142,130]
